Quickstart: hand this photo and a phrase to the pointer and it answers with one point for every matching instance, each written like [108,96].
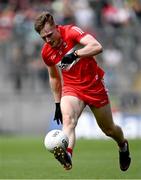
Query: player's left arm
[91,46]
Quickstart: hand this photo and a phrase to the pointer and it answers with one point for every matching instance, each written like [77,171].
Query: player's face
[51,35]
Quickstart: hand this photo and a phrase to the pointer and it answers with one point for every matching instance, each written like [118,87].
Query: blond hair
[41,19]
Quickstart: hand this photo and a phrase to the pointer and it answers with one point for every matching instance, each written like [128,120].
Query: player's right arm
[55,82]
[56,87]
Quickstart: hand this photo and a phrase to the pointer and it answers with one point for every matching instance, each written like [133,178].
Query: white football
[56,138]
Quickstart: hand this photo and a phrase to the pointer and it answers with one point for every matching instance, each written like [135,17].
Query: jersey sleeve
[46,57]
[76,33]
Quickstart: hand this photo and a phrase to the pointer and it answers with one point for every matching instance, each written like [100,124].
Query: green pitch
[26,158]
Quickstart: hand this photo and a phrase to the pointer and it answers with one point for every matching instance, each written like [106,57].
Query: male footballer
[73,52]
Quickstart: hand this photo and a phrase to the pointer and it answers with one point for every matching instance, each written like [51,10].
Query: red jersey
[84,76]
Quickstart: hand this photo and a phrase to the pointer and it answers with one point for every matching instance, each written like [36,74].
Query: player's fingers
[58,121]
[61,120]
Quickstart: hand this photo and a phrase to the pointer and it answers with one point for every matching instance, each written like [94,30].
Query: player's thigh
[72,106]
[103,116]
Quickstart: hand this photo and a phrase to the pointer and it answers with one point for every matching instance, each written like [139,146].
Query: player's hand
[58,114]
[68,59]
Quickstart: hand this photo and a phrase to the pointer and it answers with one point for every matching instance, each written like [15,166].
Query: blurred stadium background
[26,103]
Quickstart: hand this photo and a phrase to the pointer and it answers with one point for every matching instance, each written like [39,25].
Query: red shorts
[95,95]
